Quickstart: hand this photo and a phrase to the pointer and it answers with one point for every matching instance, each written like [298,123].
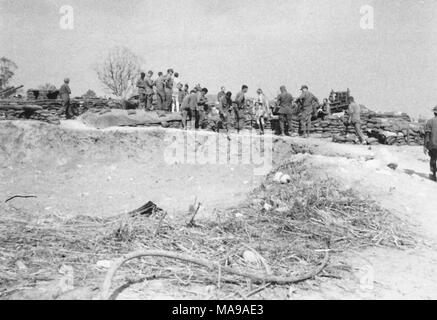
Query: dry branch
[105,292]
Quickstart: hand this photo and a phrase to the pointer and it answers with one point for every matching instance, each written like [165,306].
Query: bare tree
[119,70]
[7,71]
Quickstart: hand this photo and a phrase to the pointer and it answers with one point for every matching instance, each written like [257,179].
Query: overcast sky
[261,43]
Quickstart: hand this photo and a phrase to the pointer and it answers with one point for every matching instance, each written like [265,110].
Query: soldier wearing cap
[285,103]
[141,85]
[221,94]
[354,113]
[430,145]
[65,92]
[169,83]
[225,110]
[240,101]
[188,108]
[261,110]
[149,90]
[307,101]
[160,91]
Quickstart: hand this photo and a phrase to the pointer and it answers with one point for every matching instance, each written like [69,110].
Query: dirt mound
[106,172]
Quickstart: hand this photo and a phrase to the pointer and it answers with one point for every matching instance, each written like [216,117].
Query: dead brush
[305,218]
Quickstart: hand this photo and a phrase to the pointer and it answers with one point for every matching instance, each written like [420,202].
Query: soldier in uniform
[225,110]
[285,103]
[261,110]
[141,85]
[65,92]
[430,146]
[354,113]
[202,106]
[169,83]
[160,91]
[240,101]
[188,106]
[221,94]
[149,90]
[307,101]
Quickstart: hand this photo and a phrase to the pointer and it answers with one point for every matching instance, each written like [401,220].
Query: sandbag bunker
[388,128]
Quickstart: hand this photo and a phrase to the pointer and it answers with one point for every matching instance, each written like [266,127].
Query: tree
[89,94]
[47,87]
[7,71]
[119,70]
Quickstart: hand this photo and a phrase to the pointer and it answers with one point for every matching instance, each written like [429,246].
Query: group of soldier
[194,107]
[161,88]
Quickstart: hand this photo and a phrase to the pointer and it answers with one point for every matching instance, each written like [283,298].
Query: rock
[393,166]
[104,264]
[20,265]
[267,207]
[285,179]
[250,257]
[277,177]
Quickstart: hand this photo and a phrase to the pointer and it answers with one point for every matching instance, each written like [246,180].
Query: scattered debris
[393,166]
[147,210]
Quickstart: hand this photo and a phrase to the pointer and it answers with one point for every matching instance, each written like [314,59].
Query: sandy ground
[75,170]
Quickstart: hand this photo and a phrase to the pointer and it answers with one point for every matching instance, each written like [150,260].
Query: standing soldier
[430,146]
[186,110]
[192,104]
[221,94]
[160,91]
[141,85]
[181,95]
[354,113]
[225,110]
[261,106]
[285,102]
[149,90]
[65,96]
[169,82]
[240,101]
[307,101]
[202,106]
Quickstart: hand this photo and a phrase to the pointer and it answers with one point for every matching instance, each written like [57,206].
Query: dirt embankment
[107,172]
[74,170]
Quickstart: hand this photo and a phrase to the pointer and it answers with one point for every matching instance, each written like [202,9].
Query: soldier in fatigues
[169,82]
[261,110]
[65,96]
[285,102]
[307,101]
[430,146]
[240,101]
[202,105]
[225,110]
[160,91]
[188,105]
[354,113]
[141,85]
[149,91]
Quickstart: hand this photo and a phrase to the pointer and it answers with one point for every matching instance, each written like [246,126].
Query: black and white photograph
[212,151]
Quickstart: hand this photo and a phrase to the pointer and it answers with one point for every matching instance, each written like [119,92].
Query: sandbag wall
[385,128]
[51,110]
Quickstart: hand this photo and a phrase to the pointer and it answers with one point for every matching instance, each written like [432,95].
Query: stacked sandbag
[391,128]
[51,110]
